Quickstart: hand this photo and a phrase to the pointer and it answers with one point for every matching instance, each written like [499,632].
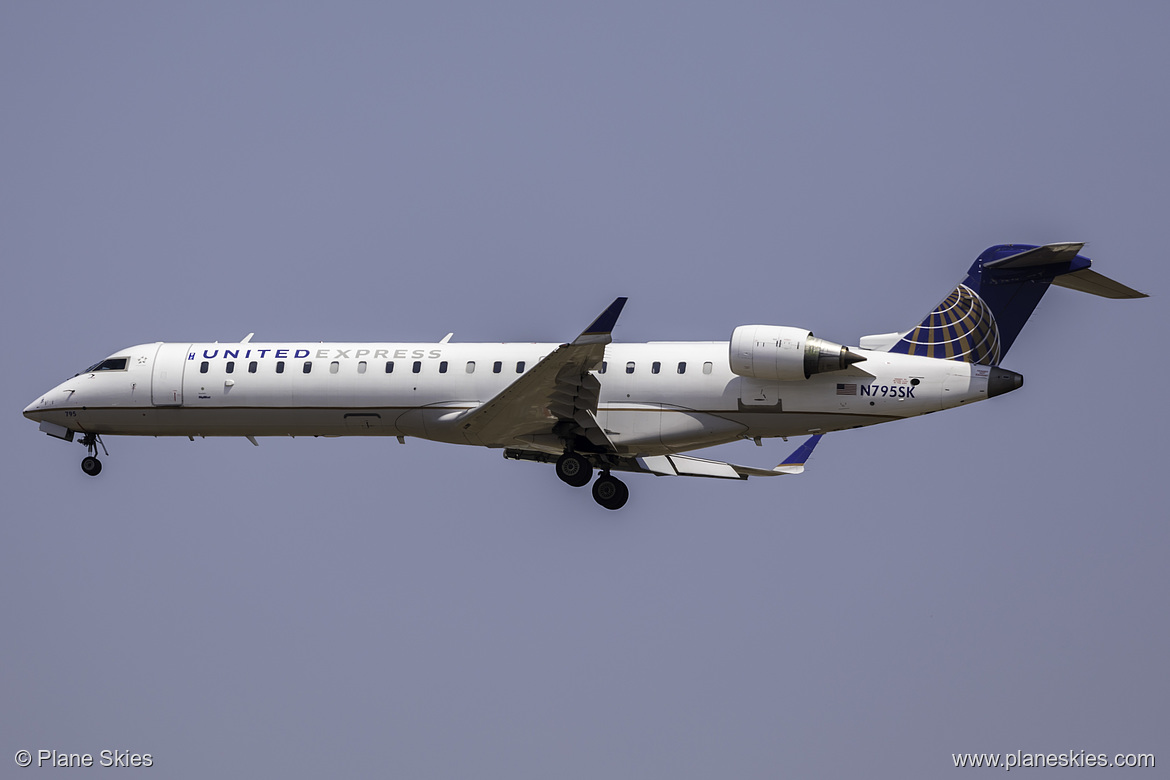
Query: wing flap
[687,466]
[559,388]
[536,401]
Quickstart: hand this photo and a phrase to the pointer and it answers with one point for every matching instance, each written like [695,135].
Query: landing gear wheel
[574,470]
[91,465]
[610,492]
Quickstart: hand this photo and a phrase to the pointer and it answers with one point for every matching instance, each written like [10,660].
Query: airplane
[588,405]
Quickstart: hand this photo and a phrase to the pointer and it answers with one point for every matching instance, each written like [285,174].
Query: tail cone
[1003,381]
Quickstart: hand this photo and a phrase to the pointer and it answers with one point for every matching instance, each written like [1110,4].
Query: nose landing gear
[90,464]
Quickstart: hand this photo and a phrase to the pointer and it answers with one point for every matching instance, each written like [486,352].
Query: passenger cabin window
[334,367]
[682,368]
[280,366]
[203,367]
[443,367]
[389,366]
[252,367]
[361,366]
[630,367]
[308,366]
[497,367]
[471,366]
[230,367]
[417,366]
[655,367]
[707,367]
[109,364]
[520,367]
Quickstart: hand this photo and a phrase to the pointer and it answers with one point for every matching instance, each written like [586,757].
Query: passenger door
[166,381]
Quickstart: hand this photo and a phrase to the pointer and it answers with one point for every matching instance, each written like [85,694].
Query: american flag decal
[850,389]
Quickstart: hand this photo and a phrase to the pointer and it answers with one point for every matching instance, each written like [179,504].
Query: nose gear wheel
[90,464]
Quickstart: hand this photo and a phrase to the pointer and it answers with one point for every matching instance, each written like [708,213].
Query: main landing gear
[609,491]
[90,464]
[574,470]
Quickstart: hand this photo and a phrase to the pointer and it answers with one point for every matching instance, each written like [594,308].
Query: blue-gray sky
[989,579]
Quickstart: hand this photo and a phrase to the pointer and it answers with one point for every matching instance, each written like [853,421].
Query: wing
[681,465]
[688,466]
[554,401]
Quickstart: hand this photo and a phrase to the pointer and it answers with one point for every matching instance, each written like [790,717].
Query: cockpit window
[109,364]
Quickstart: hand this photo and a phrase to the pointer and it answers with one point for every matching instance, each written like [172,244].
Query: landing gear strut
[610,492]
[574,470]
[90,464]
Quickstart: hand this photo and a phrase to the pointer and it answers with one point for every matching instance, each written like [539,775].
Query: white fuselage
[657,397]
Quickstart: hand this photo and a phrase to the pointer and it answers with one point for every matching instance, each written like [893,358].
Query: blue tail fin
[979,321]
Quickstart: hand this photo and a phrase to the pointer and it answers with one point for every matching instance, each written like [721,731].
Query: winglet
[794,463]
[601,328]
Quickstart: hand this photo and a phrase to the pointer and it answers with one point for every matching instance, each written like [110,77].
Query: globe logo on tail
[960,328]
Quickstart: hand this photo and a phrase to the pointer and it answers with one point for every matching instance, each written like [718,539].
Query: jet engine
[784,354]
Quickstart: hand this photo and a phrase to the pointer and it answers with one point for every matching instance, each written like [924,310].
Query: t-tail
[981,318]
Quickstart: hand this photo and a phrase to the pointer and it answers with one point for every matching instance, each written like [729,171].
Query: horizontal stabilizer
[1090,281]
[1049,254]
[981,318]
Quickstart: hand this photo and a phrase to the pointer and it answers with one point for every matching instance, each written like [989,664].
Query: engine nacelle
[785,354]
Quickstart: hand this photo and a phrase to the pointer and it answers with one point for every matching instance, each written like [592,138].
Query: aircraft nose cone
[31,410]
[1003,381]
